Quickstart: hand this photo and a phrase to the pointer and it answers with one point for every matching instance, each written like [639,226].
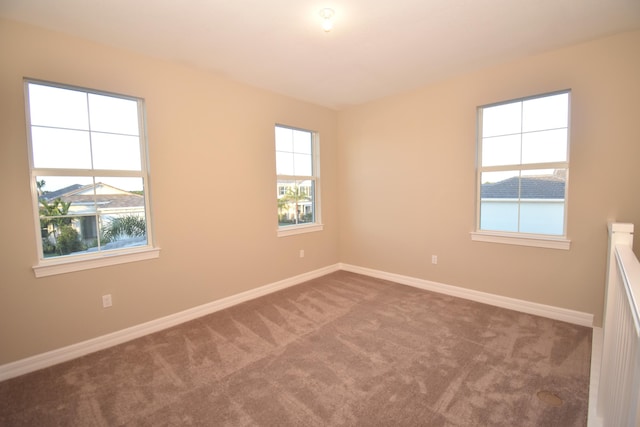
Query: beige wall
[397,188]
[407,178]
[211,145]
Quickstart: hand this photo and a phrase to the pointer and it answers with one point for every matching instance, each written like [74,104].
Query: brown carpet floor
[341,350]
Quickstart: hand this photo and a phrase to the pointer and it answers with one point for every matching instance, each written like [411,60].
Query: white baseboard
[556,313]
[73,351]
[593,420]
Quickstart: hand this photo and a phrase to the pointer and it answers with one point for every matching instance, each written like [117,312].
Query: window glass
[284,163]
[87,163]
[501,150]
[523,165]
[546,112]
[57,107]
[113,115]
[296,166]
[545,146]
[60,148]
[501,119]
[116,152]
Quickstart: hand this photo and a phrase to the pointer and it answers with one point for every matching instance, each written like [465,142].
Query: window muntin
[89,172]
[297,178]
[523,152]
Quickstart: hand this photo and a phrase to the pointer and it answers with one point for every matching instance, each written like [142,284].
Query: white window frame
[521,238]
[291,230]
[66,264]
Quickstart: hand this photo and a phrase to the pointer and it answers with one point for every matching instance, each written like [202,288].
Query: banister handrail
[619,377]
[629,267]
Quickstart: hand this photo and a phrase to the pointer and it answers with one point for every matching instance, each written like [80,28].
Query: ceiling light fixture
[327,14]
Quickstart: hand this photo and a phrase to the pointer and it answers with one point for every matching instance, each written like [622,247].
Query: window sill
[50,268]
[299,229]
[534,240]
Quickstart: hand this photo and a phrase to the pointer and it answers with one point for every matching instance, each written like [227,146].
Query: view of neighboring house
[91,203]
[295,202]
[529,204]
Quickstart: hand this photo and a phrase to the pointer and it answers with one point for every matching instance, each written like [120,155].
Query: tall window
[297,180]
[89,172]
[523,164]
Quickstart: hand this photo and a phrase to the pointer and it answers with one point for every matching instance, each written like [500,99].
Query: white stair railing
[619,379]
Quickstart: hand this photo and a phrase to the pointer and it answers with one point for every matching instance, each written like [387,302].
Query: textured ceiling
[377,47]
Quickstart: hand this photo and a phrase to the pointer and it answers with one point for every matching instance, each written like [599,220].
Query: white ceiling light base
[327,14]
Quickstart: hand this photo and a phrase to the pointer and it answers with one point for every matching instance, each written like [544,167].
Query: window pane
[517,135]
[286,202]
[293,152]
[60,148]
[302,141]
[64,196]
[61,237]
[284,139]
[543,184]
[52,106]
[302,164]
[121,205]
[549,112]
[116,152]
[122,230]
[51,187]
[499,193]
[294,158]
[501,119]
[295,206]
[542,217]
[284,163]
[500,185]
[113,115]
[76,193]
[60,211]
[133,185]
[499,215]
[306,203]
[545,146]
[120,194]
[501,150]
[528,202]
[72,129]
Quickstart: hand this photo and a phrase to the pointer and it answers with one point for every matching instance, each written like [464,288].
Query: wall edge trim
[70,352]
[551,312]
[73,351]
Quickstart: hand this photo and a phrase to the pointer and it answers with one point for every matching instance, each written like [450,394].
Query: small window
[523,166]
[298,183]
[89,174]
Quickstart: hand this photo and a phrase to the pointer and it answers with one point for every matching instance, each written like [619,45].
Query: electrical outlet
[301,253]
[106,301]
[434,259]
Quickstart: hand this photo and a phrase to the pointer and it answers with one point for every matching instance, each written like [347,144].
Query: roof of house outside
[533,187]
[52,195]
[79,194]
[107,200]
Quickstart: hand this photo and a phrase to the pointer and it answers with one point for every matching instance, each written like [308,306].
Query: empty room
[315,213]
